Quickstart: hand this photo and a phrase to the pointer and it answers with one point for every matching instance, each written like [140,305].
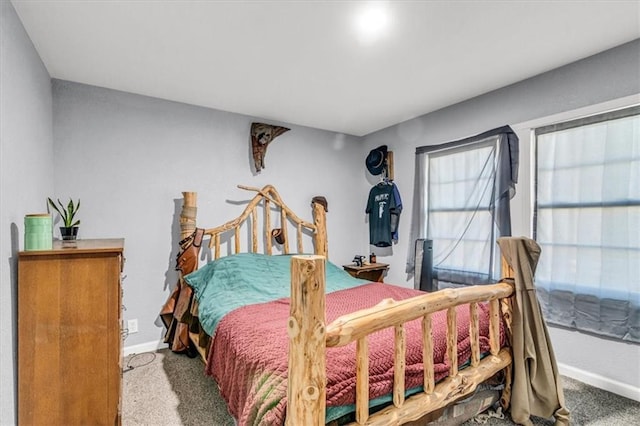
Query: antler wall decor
[261,136]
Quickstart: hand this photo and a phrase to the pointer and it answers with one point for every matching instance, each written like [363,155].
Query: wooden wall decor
[261,136]
[389,165]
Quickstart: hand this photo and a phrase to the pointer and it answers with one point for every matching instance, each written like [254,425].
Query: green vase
[38,234]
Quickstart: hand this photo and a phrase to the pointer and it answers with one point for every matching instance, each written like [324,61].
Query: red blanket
[248,358]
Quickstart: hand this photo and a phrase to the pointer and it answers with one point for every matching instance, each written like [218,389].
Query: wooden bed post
[320,236]
[306,391]
[188,214]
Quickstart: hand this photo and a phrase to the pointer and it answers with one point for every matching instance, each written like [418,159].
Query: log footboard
[309,337]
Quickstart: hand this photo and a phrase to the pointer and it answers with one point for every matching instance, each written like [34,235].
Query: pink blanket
[248,358]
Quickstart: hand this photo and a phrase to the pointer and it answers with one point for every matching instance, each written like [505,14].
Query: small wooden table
[373,272]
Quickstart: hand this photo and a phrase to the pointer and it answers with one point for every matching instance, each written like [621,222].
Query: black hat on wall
[376,160]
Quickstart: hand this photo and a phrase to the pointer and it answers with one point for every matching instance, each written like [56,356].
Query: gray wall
[604,77]
[26,175]
[129,157]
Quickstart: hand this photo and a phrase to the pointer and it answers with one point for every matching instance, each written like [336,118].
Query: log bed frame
[310,336]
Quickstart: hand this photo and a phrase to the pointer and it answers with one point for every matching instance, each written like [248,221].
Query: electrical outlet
[132,326]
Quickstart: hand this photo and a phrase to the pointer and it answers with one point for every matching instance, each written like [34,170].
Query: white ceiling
[302,62]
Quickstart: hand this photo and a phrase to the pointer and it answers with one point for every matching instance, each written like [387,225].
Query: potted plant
[70,229]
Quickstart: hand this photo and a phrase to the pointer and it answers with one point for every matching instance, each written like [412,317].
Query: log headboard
[270,202]
[180,312]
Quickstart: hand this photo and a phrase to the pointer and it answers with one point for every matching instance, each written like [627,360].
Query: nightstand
[373,272]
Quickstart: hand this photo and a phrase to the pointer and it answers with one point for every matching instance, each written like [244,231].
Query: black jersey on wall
[380,205]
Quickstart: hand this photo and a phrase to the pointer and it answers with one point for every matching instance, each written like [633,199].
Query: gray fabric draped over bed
[537,389]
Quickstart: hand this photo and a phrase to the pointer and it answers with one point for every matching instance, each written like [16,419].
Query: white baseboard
[145,347]
[600,382]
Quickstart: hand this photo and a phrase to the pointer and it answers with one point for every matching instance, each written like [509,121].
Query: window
[459,220]
[461,203]
[587,222]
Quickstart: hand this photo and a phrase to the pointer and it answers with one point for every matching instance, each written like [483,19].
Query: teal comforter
[234,281]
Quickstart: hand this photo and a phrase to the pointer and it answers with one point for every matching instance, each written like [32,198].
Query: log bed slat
[217,244]
[283,225]
[474,333]
[299,238]
[494,326]
[452,341]
[267,226]
[254,230]
[427,354]
[362,380]
[400,345]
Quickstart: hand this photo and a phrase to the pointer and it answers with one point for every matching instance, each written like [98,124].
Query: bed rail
[309,338]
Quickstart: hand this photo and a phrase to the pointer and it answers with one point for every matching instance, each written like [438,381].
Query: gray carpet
[163,388]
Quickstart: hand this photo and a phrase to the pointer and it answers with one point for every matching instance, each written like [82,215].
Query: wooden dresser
[69,336]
